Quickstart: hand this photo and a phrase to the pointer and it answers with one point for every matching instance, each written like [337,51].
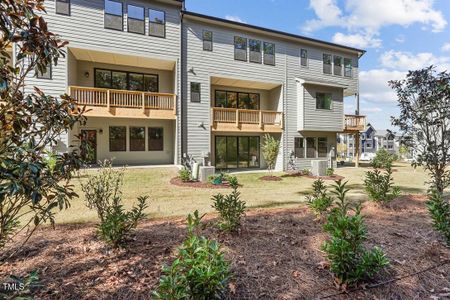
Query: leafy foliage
[270,148]
[185,174]
[349,260]
[439,209]
[319,201]
[380,186]
[230,207]
[383,159]
[118,223]
[200,270]
[330,172]
[424,102]
[31,185]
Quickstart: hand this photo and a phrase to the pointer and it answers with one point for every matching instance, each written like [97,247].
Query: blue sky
[398,35]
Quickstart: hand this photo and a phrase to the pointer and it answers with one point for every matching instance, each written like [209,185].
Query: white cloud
[374,86]
[446,47]
[408,61]
[400,39]
[235,19]
[357,40]
[364,18]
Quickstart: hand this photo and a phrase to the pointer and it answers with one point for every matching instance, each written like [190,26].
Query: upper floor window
[46,74]
[195,92]
[157,26]
[304,57]
[347,67]
[337,65]
[241,100]
[121,80]
[240,48]
[62,7]
[323,100]
[207,40]
[299,147]
[136,19]
[255,51]
[113,15]
[269,53]
[327,63]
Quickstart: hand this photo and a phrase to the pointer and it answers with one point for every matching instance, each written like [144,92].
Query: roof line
[194,14]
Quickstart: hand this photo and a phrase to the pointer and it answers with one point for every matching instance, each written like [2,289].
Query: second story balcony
[354,123]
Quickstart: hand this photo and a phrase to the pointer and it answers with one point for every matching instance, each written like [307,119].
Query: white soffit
[122,59]
[241,83]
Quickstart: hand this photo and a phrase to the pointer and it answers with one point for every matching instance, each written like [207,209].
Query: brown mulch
[197,184]
[276,256]
[270,178]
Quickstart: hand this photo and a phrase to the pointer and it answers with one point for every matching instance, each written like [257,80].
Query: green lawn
[167,200]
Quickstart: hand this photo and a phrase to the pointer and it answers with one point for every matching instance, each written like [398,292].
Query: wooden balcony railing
[122,99]
[354,123]
[240,117]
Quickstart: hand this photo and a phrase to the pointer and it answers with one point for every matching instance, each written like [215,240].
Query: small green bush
[383,159]
[200,270]
[380,186]
[350,262]
[439,209]
[119,223]
[319,201]
[230,208]
[330,172]
[269,149]
[185,174]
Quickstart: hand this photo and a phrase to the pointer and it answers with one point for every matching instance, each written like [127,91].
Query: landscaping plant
[319,201]
[270,148]
[199,271]
[32,185]
[380,186]
[185,174]
[383,159]
[349,261]
[439,209]
[230,208]
[330,172]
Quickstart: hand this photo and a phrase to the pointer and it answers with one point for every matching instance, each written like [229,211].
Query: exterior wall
[129,157]
[305,163]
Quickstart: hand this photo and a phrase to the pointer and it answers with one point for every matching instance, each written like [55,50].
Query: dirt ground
[276,256]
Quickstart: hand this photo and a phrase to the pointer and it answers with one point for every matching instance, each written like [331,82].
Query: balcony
[126,104]
[354,123]
[246,120]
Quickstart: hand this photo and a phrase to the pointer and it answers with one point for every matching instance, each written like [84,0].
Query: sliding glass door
[234,152]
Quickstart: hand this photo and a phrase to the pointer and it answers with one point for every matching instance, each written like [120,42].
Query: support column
[357,141]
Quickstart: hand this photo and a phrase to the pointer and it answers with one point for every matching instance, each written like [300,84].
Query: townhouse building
[161,83]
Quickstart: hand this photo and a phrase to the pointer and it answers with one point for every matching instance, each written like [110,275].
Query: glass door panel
[221,152]
[243,152]
[232,152]
[254,152]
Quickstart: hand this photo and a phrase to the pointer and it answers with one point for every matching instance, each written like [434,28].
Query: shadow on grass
[275,204]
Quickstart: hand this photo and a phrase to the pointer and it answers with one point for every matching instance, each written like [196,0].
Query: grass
[167,200]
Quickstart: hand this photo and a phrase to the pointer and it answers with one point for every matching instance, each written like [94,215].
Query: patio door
[88,147]
[237,152]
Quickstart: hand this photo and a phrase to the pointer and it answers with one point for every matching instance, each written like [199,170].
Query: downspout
[285,118]
[182,85]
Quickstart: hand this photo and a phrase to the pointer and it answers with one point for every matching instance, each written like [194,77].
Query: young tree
[270,148]
[34,179]
[424,102]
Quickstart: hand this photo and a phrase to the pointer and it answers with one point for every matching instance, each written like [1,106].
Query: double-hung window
[255,51]
[195,92]
[157,23]
[62,7]
[240,48]
[136,19]
[322,147]
[299,147]
[207,40]
[304,57]
[324,100]
[347,67]
[269,54]
[326,63]
[113,15]
[338,65]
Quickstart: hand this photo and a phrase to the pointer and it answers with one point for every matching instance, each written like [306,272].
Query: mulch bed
[197,184]
[276,256]
[270,178]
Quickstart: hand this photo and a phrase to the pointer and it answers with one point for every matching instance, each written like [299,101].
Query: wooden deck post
[108,99]
[260,119]
[237,118]
[143,102]
[357,141]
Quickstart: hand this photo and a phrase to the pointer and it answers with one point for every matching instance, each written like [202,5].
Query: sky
[398,35]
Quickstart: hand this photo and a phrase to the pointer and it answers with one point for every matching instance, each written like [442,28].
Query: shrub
[383,159]
[306,172]
[439,209]
[118,223]
[380,186]
[199,271]
[270,148]
[350,262]
[185,174]
[319,202]
[230,208]
[330,172]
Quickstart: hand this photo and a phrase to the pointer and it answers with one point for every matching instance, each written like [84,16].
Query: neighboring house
[161,82]
[368,140]
[388,140]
